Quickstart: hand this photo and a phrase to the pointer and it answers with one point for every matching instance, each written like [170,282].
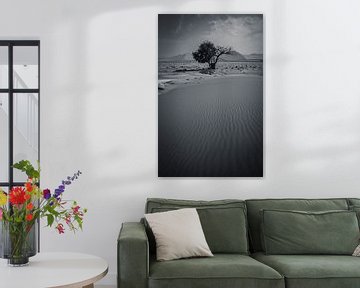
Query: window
[19,108]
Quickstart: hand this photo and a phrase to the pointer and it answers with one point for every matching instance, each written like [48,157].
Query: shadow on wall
[79,17]
[74,88]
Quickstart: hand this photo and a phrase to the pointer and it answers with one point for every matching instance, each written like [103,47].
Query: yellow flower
[3,198]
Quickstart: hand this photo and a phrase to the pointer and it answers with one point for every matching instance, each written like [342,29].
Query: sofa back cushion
[298,232]
[353,201]
[255,206]
[223,221]
[354,205]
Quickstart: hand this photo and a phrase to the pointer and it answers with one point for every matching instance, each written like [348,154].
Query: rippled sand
[213,129]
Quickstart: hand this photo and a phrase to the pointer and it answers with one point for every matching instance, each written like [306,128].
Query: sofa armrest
[133,256]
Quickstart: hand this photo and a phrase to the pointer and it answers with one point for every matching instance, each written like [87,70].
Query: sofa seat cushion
[313,271]
[222,270]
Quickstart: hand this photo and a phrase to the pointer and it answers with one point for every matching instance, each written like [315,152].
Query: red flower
[17,196]
[27,196]
[60,228]
[29,217]
[68,219]
[29,186]
[75,209]
[29,206]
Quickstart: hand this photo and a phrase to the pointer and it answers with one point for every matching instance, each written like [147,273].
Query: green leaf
[21,165]
[50,219]
[28,168]
[52,211]
[79,221]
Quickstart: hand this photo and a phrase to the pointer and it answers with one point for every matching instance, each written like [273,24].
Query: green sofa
[233,230]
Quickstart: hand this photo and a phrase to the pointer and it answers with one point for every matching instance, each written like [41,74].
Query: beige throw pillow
[178,234]
[357,251]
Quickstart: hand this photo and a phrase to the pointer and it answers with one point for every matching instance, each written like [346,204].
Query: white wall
[99,105]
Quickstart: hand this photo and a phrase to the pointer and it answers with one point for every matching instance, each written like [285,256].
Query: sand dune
[212,129]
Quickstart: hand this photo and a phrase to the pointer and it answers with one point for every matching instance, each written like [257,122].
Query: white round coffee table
[60,270]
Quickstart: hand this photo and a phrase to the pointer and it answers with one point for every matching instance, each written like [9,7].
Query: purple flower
[46,194]
[58,192]
[64,183]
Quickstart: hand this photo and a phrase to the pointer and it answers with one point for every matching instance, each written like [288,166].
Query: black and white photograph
[210,95]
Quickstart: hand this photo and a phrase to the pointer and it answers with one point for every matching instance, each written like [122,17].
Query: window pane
[5,189]
[4,137]
[4,67]
[25,67]
[26,131]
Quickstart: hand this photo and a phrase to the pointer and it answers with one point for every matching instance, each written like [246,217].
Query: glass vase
[18,242]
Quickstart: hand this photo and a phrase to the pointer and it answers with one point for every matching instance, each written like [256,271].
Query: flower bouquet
[21,208]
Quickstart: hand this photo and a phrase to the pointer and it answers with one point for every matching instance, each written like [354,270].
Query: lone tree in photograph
[208,53]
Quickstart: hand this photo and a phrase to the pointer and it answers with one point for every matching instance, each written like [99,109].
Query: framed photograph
[210,95]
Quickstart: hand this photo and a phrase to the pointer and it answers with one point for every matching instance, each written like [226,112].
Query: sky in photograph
[182,33]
